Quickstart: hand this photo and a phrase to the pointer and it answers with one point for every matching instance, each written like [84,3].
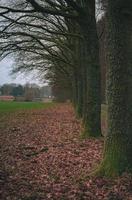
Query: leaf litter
[43,157]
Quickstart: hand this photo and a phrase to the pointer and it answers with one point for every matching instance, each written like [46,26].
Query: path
[44,158]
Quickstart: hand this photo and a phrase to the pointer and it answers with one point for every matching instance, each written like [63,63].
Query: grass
[6,107]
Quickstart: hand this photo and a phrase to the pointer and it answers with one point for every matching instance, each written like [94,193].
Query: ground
[43,157]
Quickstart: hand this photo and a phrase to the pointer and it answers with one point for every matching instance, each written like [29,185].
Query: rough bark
[75,90]
[118,146]
[91,72]
[79,108]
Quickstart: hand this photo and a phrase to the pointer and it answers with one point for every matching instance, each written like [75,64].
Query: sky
[5,77]
[6,66]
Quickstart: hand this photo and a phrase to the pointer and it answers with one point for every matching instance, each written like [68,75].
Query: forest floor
[43,157]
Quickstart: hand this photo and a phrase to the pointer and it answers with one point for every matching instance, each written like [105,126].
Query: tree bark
[118,146]
[75,90]
[91,72]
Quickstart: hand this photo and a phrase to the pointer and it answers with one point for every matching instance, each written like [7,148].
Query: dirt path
[43,157]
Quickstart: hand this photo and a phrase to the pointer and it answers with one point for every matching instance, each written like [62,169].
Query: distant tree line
[28,91]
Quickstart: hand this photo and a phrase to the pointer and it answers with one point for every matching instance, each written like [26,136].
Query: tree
[61,84]
[6,89]
[118,146]
[31,91]
[30,20]
[91,71]
[17,91]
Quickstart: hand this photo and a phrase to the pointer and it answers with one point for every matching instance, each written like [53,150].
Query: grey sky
[5,77]
[6,65]
[5,68]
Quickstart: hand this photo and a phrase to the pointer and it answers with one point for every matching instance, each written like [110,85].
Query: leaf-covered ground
[43,157]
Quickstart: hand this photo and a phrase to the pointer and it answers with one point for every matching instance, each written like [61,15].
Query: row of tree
[27,92]
[60,40]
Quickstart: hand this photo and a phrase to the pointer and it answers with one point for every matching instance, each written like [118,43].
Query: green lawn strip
[6,107]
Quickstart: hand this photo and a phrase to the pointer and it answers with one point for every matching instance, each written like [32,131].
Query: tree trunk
[118,146]
[74,91]
[92,74]
[79,108]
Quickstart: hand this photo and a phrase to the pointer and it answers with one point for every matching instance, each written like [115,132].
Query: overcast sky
[5,68]
[5,77]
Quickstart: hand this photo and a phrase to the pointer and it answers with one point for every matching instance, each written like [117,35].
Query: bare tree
[37,23]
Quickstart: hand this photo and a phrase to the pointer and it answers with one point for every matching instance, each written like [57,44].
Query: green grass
[6,107]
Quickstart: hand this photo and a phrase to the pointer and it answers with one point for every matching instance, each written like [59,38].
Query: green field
[14,106]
